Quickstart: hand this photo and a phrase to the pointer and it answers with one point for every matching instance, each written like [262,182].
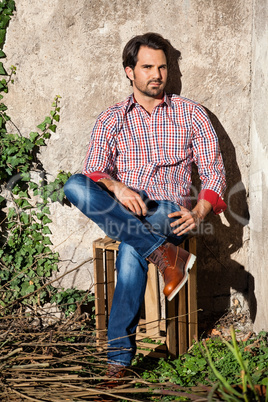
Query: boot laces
[162,266]
[161,261]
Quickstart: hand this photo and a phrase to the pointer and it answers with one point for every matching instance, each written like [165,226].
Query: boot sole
[189,264]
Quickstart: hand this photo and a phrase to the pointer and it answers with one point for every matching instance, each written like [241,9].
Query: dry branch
[56,364]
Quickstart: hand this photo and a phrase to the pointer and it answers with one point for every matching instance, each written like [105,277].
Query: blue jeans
[139,237]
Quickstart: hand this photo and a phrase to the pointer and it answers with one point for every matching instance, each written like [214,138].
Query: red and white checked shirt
[155,152]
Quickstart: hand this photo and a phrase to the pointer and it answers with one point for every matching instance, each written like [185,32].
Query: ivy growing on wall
[26,258]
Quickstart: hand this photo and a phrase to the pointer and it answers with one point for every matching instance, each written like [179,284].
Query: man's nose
[157,73]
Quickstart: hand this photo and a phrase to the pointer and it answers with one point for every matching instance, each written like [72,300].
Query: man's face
[149,76]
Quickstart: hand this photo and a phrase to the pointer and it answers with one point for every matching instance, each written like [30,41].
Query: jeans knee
[72,187]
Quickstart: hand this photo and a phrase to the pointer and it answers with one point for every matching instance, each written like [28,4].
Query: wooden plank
[152,311]
[112,246]
[99,295]
[143,335]
[192,296]
[107,240]
[107,243]
[156,351]
[98,243]
[171,327]
[182,322]
[109,265]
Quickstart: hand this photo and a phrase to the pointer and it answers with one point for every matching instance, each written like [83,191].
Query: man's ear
[129,72]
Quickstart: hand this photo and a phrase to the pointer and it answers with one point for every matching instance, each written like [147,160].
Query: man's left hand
[189,220]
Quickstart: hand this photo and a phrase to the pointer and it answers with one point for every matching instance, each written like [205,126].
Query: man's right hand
[129,198]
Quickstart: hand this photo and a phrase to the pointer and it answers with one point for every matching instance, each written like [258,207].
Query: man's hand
[129,198]
[189,220]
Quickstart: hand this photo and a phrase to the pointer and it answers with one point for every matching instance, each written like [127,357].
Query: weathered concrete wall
[259,163]
[74,49]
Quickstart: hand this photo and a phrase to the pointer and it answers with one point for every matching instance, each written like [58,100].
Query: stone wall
[74,49]
[259,164]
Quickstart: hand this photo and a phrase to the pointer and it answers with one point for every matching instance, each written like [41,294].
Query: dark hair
[150,39]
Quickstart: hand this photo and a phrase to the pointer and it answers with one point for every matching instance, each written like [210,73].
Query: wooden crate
[175,331]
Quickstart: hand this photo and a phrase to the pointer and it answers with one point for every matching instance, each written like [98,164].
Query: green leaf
[11,6]
[3,107]
[46,210]
[46,220]
[54,197]
[2,69]
[33,186]
[46,230]
[264,381]
[4,20]
[47,241]
[25,205]
[3,87]
[33,136]
[40,142]
[2,54]
[47,135]
[42,126]
[2,36]
[11,213]
[53,128]
[48,120]
[25,176]
[24,218]
[26,288]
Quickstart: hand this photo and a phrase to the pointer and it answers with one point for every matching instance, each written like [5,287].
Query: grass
[234,370]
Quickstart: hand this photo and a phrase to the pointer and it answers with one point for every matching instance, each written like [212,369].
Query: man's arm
[208,159]
[101,154]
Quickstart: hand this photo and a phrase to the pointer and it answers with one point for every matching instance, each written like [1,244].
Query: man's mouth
[155,82]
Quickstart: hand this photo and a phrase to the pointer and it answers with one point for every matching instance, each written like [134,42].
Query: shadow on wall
[218,271]
[216,242]
[174,74]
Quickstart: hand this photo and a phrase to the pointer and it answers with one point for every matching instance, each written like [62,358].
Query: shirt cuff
[218,205]
[97,176]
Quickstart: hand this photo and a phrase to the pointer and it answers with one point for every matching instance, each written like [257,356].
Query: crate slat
[99,295]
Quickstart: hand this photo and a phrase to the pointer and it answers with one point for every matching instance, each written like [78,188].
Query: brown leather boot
[116,371]
[174,264]
[115,374]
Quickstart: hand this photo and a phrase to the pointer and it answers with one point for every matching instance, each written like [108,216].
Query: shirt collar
[132,101]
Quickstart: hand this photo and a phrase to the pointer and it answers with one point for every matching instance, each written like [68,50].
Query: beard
[149,89]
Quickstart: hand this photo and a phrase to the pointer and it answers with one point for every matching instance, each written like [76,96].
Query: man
[136,185]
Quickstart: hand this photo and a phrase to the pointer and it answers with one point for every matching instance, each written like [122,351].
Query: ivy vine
[26,258]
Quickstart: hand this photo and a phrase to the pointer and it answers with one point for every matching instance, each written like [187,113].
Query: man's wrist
[202,209]
[108,182]
[218,205]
